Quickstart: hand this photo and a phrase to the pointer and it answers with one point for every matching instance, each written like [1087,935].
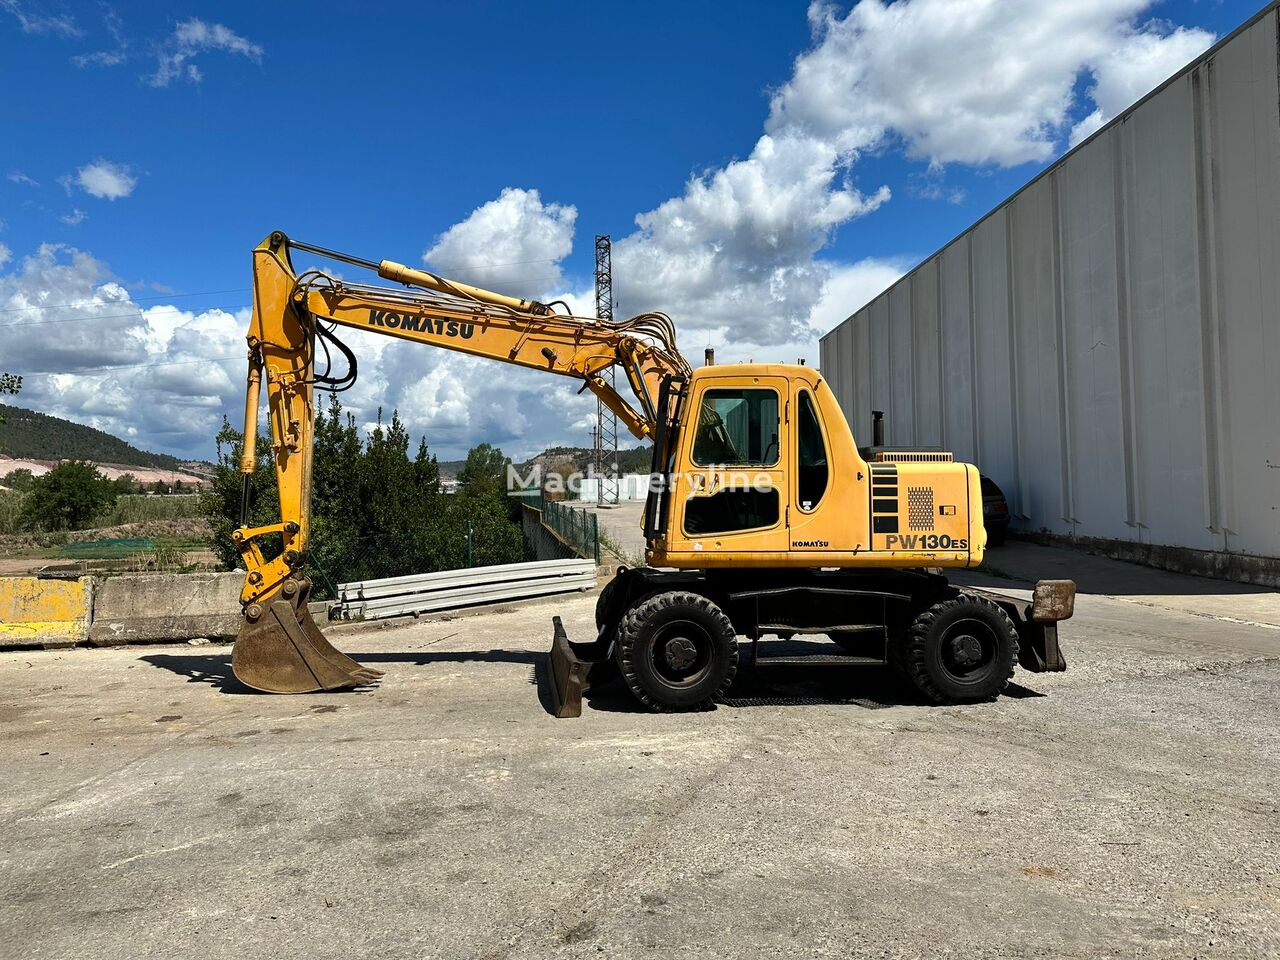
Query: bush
[11,511]
[20,480]
[68,497]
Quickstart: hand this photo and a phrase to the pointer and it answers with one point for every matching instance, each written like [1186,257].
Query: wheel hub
[680,653]
[966,650]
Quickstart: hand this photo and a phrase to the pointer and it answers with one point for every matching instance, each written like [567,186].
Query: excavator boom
[280,649]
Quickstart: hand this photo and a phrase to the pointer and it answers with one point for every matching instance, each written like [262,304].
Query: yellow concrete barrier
[46,613]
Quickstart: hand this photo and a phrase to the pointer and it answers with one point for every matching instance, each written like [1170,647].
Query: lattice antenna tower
[606,432]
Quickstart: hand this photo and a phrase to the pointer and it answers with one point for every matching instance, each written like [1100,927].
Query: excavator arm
[280,649]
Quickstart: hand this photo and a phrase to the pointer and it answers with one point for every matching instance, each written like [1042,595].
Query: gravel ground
[1125,808]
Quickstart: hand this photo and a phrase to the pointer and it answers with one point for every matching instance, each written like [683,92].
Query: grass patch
[139,508]
[608,543]
[137,554]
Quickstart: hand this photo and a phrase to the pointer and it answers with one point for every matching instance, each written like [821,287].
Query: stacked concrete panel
[163,607]
[1106,344]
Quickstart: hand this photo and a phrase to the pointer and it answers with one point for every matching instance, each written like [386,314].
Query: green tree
[68,497]
[484,473]
[390,517]
[335,492]
[426,471]
[494,537]
[127,483]
[220,500]
[10,384]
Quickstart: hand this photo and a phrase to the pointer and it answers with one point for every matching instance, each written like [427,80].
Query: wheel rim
[680,653]
[967,651]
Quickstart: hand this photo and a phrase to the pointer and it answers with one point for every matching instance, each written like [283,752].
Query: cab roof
[789,371]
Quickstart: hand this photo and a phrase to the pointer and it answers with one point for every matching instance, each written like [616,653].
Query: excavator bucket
[280,648]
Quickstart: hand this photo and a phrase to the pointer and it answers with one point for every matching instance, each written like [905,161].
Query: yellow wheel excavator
[763,518]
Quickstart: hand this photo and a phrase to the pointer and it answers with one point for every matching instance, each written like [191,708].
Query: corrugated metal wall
[1106,344]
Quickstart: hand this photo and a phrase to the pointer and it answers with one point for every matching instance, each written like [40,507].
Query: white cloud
[17,176]
[512,244]
[107,58]
[969,81]
[5,254]
[60,24]
[65,319]
[853,286]
[74,218]
[735,252]
[192,38]
[1134,67]
[107,180]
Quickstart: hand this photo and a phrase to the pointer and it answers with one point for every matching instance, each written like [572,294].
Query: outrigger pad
[280,648]
[570,670]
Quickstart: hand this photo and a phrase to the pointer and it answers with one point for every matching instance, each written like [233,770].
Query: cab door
[730,490]
[828,479]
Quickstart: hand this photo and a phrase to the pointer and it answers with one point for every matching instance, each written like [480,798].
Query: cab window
[737,428]
[813,472]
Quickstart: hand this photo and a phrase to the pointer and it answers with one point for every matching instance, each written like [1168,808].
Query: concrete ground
[1127,807]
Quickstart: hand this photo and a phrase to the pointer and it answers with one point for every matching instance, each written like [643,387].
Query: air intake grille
[920,508]
[888,456]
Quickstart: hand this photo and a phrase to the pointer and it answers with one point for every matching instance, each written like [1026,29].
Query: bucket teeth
[282,650]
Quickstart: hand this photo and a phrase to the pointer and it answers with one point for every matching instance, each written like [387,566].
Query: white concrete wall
[631,486]
[1106,344]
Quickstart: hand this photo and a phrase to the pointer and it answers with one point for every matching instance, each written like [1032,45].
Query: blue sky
[150,146]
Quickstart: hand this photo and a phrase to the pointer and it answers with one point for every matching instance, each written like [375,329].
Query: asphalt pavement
[1126,808]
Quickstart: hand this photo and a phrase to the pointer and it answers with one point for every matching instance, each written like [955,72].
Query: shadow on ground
[870,688]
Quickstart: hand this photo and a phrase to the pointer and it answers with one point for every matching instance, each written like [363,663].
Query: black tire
[960,650]
[995,536]
[605,671]
[604,599]
[677,651]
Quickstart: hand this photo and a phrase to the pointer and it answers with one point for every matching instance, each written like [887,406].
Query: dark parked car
[995,512]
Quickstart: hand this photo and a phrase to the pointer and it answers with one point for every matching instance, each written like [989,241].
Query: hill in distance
[38,436]
[27,435]
[634,460]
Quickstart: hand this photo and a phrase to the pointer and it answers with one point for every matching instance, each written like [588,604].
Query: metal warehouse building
[1105,344]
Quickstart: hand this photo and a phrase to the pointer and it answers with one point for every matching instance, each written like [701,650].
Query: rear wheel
[961,650]
[677,651]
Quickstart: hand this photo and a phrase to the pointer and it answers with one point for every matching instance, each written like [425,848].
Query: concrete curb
[164,607]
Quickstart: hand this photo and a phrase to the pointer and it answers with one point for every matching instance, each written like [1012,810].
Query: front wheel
[677,651]
[961,650]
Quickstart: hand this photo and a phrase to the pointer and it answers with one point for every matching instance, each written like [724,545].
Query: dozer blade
[280,648]
[570,670]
